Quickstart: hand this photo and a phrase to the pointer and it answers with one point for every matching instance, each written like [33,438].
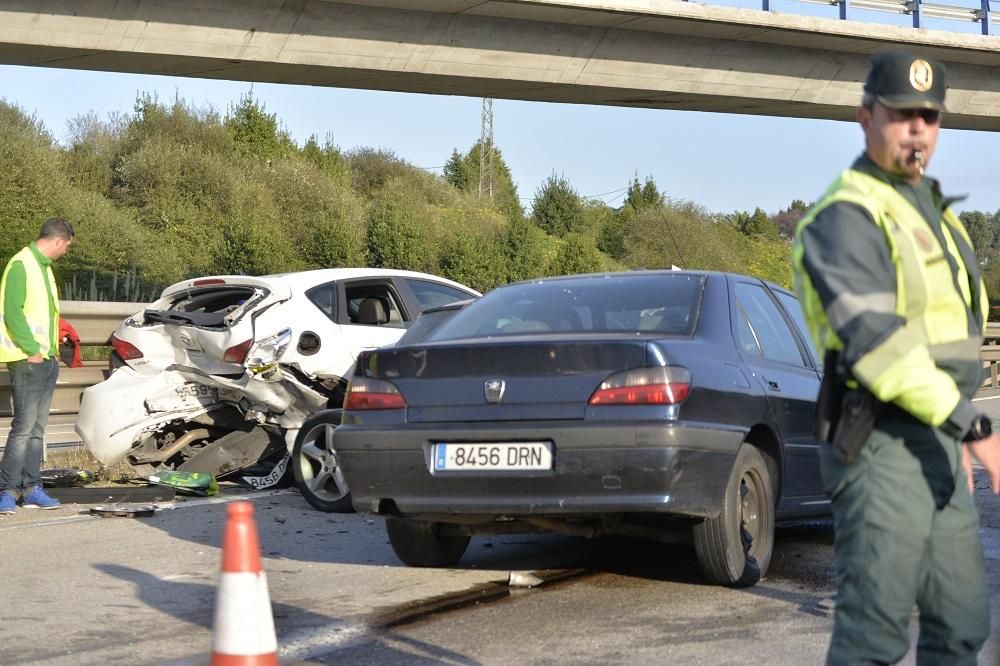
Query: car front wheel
[735,547]
[314,464]
[422,544]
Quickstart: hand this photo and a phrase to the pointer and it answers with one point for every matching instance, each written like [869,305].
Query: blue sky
[724,162]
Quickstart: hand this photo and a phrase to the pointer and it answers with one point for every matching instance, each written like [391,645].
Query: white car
[221,373]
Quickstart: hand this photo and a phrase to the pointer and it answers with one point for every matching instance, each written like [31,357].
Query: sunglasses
[930,116]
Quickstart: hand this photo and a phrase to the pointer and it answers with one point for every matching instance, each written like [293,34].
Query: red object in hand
[69,345]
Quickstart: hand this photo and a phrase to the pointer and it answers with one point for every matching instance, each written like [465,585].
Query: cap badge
[921,75]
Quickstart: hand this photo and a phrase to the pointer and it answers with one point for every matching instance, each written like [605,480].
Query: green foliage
[476,260]
[173,191]
[577,254]
[31,181]
[984,231]
[557,208]
[255,132]
[522,248]
[788,219]
[395,234]
[463,172]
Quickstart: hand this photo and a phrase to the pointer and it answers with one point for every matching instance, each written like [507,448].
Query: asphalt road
[81,589]
[87,590]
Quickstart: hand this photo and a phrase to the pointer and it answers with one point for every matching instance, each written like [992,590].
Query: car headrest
[372,310]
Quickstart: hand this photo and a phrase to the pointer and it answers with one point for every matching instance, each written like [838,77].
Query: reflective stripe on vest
[36,306]
[919,364]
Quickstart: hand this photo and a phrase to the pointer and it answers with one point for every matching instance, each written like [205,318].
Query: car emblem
[494,389]
[185,339]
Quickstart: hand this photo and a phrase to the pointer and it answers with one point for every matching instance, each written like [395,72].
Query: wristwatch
[982,427]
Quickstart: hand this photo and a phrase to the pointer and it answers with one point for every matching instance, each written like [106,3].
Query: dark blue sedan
[652,403]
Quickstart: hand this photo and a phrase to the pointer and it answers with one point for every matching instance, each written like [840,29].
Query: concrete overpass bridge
[641,53]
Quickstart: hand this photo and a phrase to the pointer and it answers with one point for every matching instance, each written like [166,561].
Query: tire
[314,464]
[420,544]
[735,548]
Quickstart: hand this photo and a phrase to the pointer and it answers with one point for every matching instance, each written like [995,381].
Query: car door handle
[772,385]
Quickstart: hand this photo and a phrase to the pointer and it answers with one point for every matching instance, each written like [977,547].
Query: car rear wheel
[314,464]
[735,547]
[421,544]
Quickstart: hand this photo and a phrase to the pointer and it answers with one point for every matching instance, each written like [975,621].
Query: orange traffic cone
[244,628]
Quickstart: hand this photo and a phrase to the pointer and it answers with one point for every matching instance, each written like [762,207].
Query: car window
[432,294]
[387,304]
[324,297]
[655,303]
[747,339]
[794,310]
[775,339]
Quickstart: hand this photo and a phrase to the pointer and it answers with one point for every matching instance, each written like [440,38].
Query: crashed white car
[239,374]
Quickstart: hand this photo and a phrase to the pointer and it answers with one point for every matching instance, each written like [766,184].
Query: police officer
[891,290]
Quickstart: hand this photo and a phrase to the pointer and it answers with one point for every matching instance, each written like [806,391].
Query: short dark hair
[56,227]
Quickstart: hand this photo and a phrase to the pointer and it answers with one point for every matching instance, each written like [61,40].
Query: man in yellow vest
[29,345]
[891,290]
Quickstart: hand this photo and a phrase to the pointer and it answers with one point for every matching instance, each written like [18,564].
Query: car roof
[322,275]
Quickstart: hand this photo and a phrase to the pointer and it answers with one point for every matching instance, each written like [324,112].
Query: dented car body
[220,372]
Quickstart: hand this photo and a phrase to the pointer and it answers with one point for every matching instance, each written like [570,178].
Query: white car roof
[305,279]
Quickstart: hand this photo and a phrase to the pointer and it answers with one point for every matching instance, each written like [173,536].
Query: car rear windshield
[662,303]
[205,306]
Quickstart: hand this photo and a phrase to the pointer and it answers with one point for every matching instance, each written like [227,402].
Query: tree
[788,219]
[577,254]
[462,172]
[984,231]
[557,208]
[257,132]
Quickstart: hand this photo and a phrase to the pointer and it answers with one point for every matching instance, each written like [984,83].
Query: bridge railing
[982,14]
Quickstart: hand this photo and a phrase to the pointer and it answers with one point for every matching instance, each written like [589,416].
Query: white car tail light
[644,386]
[366,393]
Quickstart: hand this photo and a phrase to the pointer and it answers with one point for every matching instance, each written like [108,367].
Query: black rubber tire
[747,516]
[420,544]
[314,464]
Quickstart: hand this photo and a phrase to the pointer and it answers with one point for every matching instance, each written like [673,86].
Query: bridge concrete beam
[638,53]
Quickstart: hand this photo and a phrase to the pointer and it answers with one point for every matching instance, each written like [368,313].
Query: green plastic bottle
[191,483]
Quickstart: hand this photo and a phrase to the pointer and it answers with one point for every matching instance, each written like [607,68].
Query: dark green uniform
[887,276]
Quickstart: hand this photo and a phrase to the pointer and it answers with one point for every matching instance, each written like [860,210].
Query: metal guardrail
[919,10]
[96,321]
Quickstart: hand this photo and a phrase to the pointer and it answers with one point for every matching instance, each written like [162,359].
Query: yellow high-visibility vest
[906,367]
[36,307]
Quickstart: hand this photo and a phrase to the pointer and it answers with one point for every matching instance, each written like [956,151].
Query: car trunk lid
[516,380]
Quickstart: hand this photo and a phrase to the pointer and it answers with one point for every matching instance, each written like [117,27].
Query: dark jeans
[32,385]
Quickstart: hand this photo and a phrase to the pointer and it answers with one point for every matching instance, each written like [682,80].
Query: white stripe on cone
[243,621]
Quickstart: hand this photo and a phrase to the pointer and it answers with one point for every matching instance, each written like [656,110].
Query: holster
[845,417]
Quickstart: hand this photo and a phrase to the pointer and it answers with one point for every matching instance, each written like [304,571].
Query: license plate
[189,394]
[514,456]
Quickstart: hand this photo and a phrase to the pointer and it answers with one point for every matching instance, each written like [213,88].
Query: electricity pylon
[486,150]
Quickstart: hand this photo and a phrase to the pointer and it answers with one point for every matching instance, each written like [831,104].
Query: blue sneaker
[39,499]
[8,503]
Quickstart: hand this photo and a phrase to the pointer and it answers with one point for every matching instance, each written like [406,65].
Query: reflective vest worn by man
[40,307]
[890,287]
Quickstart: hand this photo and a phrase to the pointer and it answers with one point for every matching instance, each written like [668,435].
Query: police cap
[901,80]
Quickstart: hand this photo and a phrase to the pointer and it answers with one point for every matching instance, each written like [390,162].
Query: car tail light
[366,393]
[126,350]
[237,353]
[644,386]
[207,281]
